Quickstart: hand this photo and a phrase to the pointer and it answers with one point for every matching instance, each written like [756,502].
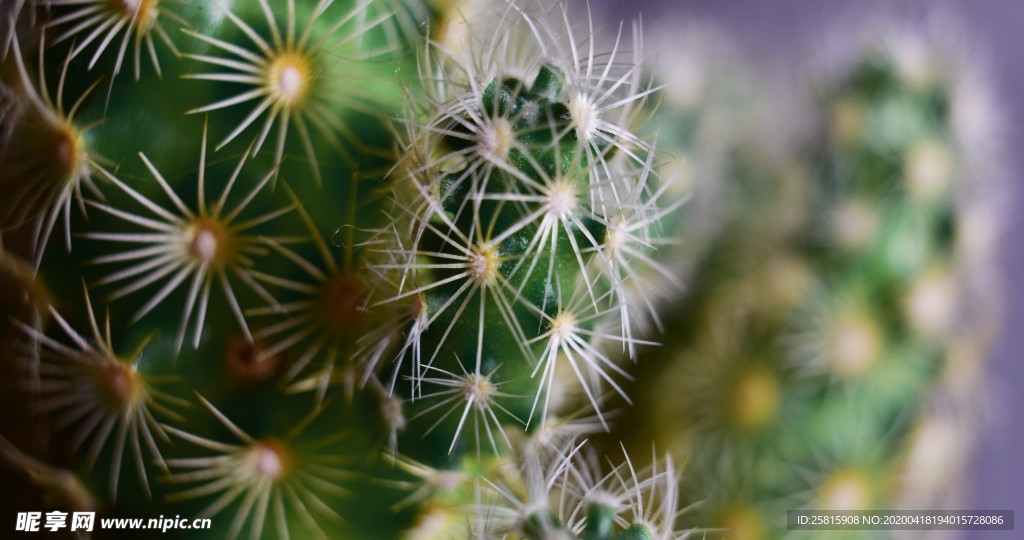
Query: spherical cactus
[527,202]
[309,269]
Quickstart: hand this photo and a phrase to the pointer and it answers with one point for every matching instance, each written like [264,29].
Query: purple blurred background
[780,33]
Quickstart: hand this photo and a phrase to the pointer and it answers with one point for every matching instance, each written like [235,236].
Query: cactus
[299,269]
[825,354]
[412,269]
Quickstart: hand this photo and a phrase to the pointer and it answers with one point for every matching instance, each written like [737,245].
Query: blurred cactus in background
[446,269]
[828,352]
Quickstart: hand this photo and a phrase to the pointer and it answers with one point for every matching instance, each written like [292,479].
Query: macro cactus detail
[444,237]
[428,269]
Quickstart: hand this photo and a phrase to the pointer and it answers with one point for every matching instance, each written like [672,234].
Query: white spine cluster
[525,166]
